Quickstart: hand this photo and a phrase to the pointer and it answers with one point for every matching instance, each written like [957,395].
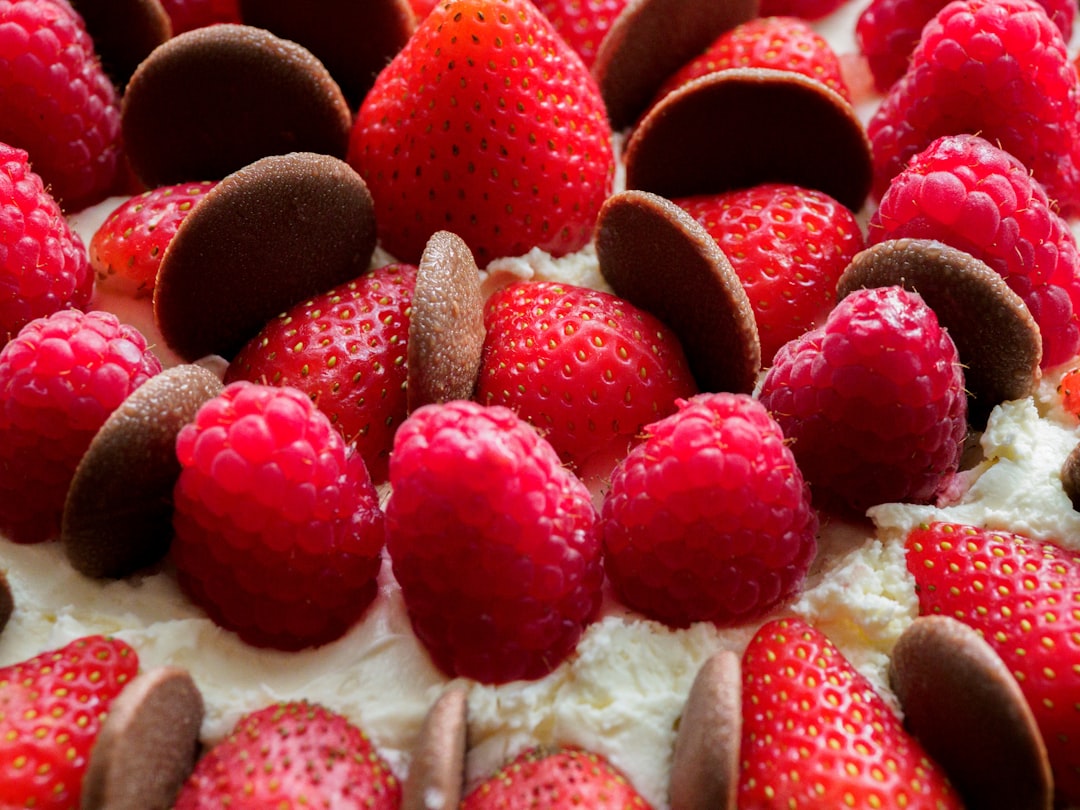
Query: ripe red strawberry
[788,245]
[346,349]
[1024,598]
[1069,391]
[486,124]
[187,15]
[873,402]
[708,519]
[582,23]
[494,543]
[815,733]
[586,368]
[43,266]
[292,755]
[60,379]
[999,68]
[555,780]
[51,710]
[57,102]
[126,250]
[806,9]
[968,193]
[279,534]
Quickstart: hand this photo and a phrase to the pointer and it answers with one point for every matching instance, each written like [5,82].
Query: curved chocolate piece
[1070,477]
[650,40]
[446,326]
[745,126]
[658,257]
[125,32]
[705,770]
[118,513]
[280,230]
[997,339]
[7,601]
[212,100]
[354,40]
[437,768]
[965,707]
[147,745]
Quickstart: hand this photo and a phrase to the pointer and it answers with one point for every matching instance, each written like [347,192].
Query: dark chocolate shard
[125,32]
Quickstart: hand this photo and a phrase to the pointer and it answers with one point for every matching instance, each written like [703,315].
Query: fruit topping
[582,23]
[806,9]
[437,766]
[1069,391]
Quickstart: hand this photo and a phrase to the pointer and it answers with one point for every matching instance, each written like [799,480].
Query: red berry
[279,533]
[708,519]
[1069,391]
[51,710]
[43,266]
[187,15]
[806,9]
[346,349]
[873,402]
[60,379]
[292,755]
[582,23]
[486,124]
[494,543]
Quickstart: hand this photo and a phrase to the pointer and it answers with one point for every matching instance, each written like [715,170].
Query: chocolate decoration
[659,258]
[437,770]
[745,126]
[1070,477]
[705,769]
[125,32]
[210,101]
[965,707]
[650,40]
[283,229]
[997,339]
[446,326]
[7,601]
[147,745]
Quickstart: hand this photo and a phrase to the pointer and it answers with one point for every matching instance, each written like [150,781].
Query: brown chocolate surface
[210,101]
[437,767]
[1070,477]
[7,601]
[124,32]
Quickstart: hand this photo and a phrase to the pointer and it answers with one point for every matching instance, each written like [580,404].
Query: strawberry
[806,9]
[586,368]
[815,733]
[186,15]
[126,250]
[51,710]
[292,755]
[554,780]
[1023,597]
[582,23]
[486,124]
[1069,391]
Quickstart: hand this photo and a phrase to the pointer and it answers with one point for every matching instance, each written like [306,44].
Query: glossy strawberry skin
[582,23]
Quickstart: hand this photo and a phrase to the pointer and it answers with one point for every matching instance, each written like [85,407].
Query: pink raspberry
[43,264]
[968,193]
[494,542]
[58,103]
[60,378]
[187,15]
[709,518]
[279,534]
[873,401]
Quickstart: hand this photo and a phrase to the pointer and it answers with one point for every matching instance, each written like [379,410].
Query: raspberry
[279,534]
[60,378]
[709,518]
[43,265]
[494,543]
[873,402]
[967,193]
[58,103]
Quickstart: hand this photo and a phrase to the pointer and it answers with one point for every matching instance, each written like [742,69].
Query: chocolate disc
[283,229]
[745,126]
[125,32]
[965,707]
[437,767]
[446,325]
[118,514]
[7,601]
[1070,477]
[997,339]
[658,257]
[212,100]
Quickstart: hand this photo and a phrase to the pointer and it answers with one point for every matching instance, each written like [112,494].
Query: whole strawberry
[486,124]
[1022,597]
[60,379]
[708,519]
[43,266]
[585,368]
[788,245]
[815,734]
[964,191]
[51,710]
[873,402]
[494,542]
[187,15]
[582,25]
[555,780]
[279,534]
[57,102]
[292,755]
